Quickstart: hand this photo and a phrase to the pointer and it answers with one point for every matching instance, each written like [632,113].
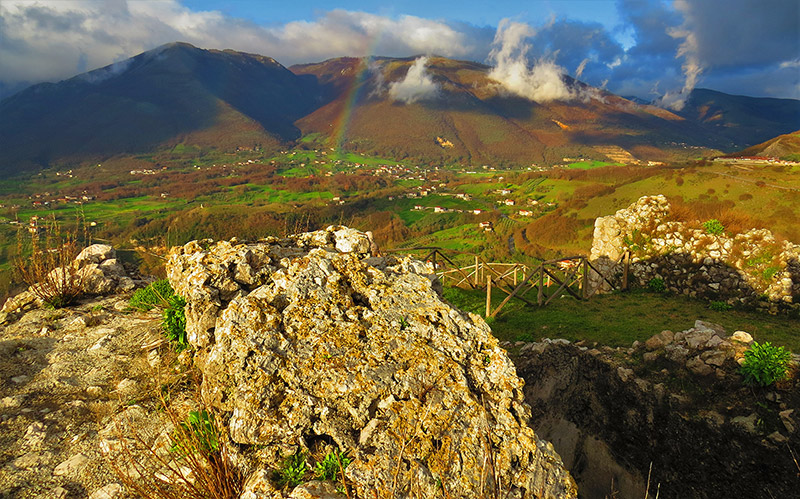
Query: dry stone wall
[312,339]
[751,268]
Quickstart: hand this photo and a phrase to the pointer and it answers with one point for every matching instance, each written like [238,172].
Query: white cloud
[692,67]
[55,39]
[790,64]
[541,83]
[581,67]
[417,85]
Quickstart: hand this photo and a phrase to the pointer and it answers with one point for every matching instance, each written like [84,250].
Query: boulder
[96,253]
[742,337]
[361,351]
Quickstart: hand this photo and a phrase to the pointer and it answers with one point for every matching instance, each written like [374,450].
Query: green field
[588,165]
[619,319]
[223,194]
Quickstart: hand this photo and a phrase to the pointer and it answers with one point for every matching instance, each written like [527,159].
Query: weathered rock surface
[612,412]
[300,342]
[76,368]
[751,268]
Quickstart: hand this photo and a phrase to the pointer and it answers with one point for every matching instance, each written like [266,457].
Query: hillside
[785,146]
[481,122]
[744,120]
[430,110]
[170,95]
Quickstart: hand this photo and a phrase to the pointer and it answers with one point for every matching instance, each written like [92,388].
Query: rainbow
[340,124]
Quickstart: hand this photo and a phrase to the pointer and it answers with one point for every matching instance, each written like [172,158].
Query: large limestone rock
[300,342]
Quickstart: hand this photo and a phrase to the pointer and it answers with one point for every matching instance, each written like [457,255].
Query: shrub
[156,294]
[713,227]
[719,306]
[656,285]
[174,322]
[49,269]
[765,364]
[293,471]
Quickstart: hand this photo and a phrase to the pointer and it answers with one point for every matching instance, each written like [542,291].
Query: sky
[652,49]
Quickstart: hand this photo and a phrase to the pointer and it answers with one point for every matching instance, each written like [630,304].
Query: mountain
[745,121]
[472,119]
[173,94]
[785,146]
[178,94]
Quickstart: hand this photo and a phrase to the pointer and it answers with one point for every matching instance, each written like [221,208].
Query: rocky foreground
[296,341]
[310,343]
[672,411]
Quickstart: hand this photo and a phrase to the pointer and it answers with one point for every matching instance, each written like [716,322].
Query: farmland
[155,201]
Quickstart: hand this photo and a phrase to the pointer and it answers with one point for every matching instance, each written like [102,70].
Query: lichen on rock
[312,338]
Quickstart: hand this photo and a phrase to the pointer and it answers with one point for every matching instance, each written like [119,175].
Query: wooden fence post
[626,270]
[585,279]
[477,277]
[488,295]
[540,295]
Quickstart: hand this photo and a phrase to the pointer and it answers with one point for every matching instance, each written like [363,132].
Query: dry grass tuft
[195,460]
[50,269]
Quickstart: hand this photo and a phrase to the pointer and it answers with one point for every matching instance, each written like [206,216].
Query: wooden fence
[535,286]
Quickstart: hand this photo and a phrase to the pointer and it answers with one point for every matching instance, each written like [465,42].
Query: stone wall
[750,268]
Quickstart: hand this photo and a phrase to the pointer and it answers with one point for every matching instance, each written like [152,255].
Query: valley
[148,203]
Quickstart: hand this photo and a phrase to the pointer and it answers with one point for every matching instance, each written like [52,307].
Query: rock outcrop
[96,269]
[676,401]
[310,339]
[751,268]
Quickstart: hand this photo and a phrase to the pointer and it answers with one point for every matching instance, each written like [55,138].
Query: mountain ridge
[179,94]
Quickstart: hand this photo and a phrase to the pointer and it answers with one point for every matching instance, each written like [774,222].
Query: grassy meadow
[620,318]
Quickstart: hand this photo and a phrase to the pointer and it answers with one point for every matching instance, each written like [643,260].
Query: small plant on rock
[155,294]
[713,227]
[174,322]
[198,465]
[293,471]
[332,467]
[656,285]
[719,306]
[198,432]
[764,364]
[46,262]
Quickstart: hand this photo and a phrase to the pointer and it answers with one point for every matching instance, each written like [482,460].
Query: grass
[619,319]
[588,165]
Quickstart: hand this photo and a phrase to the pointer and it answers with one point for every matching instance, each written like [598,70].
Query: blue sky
[653,49]
[479,13]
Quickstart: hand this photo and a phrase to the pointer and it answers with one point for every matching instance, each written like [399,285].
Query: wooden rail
[551,279]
